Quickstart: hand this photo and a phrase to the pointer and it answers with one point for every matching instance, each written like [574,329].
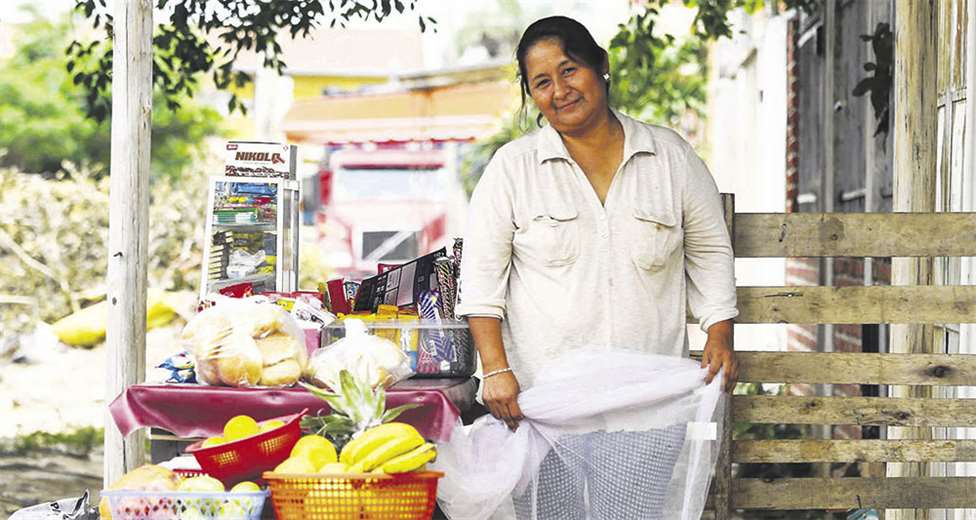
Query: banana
[373,438]
[392,448]
[410,461]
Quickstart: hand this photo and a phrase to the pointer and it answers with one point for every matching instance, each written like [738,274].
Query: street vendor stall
[327,401]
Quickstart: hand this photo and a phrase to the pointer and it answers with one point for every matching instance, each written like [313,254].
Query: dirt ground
[33,478]
[60,389]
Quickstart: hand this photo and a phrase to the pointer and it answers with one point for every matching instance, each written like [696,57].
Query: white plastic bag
[607,435]
[246,343]
[373,359]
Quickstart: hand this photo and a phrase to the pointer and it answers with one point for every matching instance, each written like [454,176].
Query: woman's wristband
[496,372]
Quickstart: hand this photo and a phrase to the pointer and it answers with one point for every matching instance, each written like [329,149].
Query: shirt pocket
[657,238]
[556,235]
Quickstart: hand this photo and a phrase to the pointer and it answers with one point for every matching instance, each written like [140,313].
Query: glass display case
[252,234]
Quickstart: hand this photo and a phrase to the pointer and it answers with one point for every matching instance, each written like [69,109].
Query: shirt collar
[637,139]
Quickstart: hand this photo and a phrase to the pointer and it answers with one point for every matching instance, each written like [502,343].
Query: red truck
[387,204]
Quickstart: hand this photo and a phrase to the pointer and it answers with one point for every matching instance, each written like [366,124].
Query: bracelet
[495,372]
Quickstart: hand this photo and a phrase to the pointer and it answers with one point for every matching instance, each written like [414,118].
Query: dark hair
[575,39]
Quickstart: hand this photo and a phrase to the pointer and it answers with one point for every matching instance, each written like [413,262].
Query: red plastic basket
[245,459]
[406,496]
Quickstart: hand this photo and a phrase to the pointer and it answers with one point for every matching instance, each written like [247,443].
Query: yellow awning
[452,112]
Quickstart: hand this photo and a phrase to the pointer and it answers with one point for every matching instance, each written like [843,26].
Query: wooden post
[915,121]
[128,221]
[723,467]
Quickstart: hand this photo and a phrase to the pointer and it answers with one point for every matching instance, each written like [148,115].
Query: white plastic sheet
[607,435]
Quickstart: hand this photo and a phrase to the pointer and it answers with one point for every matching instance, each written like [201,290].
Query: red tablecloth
[201,411]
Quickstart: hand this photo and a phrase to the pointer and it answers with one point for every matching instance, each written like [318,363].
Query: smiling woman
[593,234]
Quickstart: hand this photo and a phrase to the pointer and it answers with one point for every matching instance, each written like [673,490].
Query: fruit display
[389,448]
[244,343]
[246,448]
[155,493]
[144,478]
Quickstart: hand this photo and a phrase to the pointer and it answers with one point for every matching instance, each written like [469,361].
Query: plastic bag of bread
[246,343]
[370,358]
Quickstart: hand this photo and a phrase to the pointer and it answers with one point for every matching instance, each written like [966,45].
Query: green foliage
[198,37]
[78,442]
[54,238]
[656,78]
[43,121]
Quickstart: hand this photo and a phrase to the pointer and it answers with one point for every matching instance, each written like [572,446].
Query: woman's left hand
[718,355]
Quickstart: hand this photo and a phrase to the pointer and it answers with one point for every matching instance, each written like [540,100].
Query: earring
[606,76]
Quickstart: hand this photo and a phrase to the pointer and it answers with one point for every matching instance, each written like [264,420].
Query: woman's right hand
[500,394]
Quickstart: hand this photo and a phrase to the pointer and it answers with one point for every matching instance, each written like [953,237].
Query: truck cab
[386,204]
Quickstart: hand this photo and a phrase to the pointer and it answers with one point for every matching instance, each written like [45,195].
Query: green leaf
[393,413]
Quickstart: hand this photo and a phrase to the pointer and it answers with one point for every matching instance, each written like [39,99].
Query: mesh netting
[607,435]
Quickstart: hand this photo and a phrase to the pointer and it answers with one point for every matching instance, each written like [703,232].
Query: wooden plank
[128,223]
[761,235]
[791,451]
[842,493]
[723,466]
[857,368]
[891,411]
[874,304]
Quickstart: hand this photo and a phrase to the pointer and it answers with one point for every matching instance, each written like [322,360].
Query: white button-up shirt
[564,272]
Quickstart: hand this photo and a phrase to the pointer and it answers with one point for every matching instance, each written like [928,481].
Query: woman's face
[570,95]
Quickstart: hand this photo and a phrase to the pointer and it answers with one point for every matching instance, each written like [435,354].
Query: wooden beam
[865,411]
[795,451]
[762,235]
[128,221]
[723,466]
[915,123]
[861,368]
[843,493]
[857,305]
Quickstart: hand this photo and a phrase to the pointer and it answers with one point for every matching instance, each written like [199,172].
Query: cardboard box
[257,159]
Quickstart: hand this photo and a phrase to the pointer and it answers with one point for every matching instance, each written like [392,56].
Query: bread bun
[285,373]
[239,362]
[266,319]
[276,348]
[206,370]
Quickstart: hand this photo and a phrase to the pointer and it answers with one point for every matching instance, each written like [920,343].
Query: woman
[595,232]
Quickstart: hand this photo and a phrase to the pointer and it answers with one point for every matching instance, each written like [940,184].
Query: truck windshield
[370,184]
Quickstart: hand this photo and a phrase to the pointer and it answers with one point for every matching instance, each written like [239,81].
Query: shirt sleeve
[487,259]
[709,261]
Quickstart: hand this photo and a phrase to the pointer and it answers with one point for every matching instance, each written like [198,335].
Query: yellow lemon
[270,424]
[240,427]
[295,465]
[317,449]
[204,483]
[334,468]
[213,441]
[245,487]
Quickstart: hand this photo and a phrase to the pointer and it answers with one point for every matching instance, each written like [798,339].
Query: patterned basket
[184,505]
[406,496]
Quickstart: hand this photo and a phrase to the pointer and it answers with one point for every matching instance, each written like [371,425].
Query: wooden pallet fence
[851,235]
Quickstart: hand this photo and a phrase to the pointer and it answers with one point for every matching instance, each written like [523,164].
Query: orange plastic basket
[406,496]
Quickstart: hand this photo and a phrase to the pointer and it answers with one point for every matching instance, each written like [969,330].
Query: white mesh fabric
[607,436]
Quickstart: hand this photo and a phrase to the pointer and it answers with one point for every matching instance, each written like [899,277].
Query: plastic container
[436,348]
[185,505]
[406,496]
[247,458]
